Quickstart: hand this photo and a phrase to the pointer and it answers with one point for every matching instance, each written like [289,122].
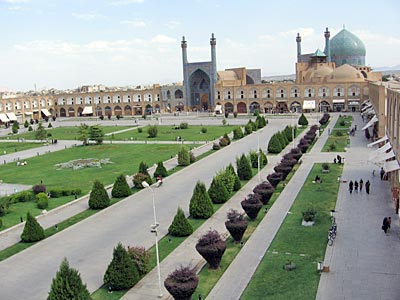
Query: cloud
[126,2]
[135,23]
[172,24]
[16,1]
[88,16]
[163,39]
[304,32]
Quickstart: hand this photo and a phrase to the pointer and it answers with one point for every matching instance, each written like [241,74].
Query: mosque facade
[335,79]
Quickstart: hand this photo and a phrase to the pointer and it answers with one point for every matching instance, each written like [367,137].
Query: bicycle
[332,232]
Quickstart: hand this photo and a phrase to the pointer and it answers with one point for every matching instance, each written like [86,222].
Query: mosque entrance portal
[199,83]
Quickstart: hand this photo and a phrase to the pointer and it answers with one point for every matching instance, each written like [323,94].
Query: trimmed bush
[184,125]
[39,188]
[248,129]
[236,225]
[68,284]
[281,139]
[252,205]
[121,188]
[30,128]
[160,170]
[137,180]
[183,157]
[223,142]
[225,136]
[254,159]
[192,157]
[203,130]
[227,178]
[50,126]
[302,120]
[200,206]
[180,226]
[243,168]
[216,146]
[26,124]
[275,178]
[42,201]
[152,131]
[265,191]
[23,196]
[32,232]
[143,170]
[238,133]
[211,247]
[140,130]
[182,283]
[121,273]
[217,191]
[98,198]
[274,145]
[141,258]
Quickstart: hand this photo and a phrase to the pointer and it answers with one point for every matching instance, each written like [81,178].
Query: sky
[64,44]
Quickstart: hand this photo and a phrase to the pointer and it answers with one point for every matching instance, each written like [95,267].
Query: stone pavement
[363,261]
[88,245]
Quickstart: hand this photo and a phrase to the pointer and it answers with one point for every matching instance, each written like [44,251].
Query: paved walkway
[88,245]
[363,261]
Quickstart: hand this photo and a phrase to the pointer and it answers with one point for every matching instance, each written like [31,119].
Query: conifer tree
[160,170]
[40,133]
[121,272]
[98,198]
[180,226]
[274,145]
[303,120]
[217,191]
[243,168]
[32,232]
[68,284]
[200,206]
[183,157]
[96,134]
[121,188]
[143,170]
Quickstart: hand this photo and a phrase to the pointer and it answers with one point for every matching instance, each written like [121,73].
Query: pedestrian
[382,173]
[361,184]
[351,186]
[21,219]
[367,186]
[386,223]
[355,127]
[355,185]
[334,160]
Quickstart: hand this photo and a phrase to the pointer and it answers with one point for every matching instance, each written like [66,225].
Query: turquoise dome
[347,48]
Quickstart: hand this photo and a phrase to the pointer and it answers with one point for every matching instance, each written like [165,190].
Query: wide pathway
[88,245]
[363,261]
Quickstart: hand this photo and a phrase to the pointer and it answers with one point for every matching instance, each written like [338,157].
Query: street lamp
[258,158]
[154,228]
[293,124]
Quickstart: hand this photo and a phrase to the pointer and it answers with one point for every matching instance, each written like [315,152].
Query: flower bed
[81,163]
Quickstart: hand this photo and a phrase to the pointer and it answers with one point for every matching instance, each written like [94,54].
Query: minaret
[184,51]
[327,35]
[213,42]
[298,41]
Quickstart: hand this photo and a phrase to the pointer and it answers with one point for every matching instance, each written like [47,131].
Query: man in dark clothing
[361,184]
[351,186]
[386,223]
[382,173]
[356,186]
[367,186]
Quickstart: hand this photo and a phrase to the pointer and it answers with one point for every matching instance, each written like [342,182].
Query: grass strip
[338,139]
[306,245]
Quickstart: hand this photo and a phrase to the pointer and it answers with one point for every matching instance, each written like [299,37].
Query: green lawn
[11,147]
[339,136]
[63,133]
[169,133]
[125,158]
[306,245]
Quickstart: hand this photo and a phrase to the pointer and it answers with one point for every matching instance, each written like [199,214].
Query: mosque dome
[347,48]
[345,73]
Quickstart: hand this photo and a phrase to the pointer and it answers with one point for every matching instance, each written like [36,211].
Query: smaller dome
[345,73]
[317,75]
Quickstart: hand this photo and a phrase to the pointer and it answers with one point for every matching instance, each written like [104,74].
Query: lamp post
[293,124]
[154,228]
[258,158]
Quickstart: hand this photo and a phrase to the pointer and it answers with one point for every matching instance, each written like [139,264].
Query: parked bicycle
[332,232]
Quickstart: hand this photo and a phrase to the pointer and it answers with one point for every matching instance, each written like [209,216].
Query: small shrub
[39,188]
[338,133]
[42,201]
[152,131]
[325,166]
[180,226]
[23,196]
[217,191]
[184,125]
[236,225]
[26,124]
[182,283]
[160,170]
[254,158]
[98,198]
[342,123]
[138,178]
[140,129]
[211,247]
[192,157]
[49,126]
[244,168]
[141,258]
[224,122]
[252,205]
[236,184]
[332,147]
[227,138]
[30,128]
[216,146]
[274,145]
[121,188]
[302,120]
[223,142]
[309,215]
[203,130]
[248,129]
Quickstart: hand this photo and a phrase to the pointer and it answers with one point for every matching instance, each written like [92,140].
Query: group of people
[338,159]
[358,185]
[353,130]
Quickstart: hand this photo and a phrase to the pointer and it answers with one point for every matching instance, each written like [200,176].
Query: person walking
[356,186]
[361,184]
[386,223]
[382,173]
[367,186]
[351,186]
